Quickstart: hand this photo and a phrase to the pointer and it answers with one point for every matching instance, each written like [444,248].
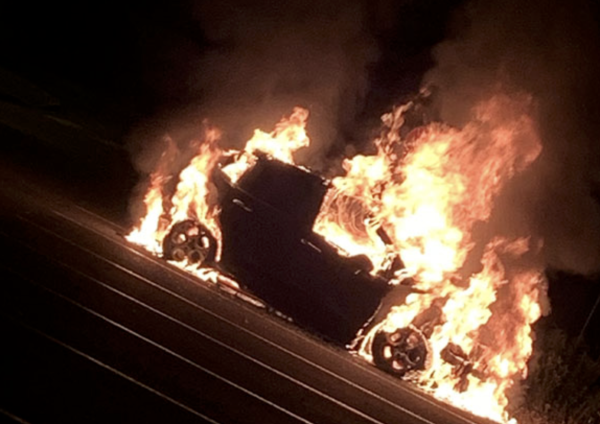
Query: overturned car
[326,254]
[268,246]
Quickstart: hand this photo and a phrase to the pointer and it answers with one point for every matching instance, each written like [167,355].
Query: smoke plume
[549,50]
[243,65]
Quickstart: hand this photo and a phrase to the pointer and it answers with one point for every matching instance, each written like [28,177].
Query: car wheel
[401,351]
[189,240]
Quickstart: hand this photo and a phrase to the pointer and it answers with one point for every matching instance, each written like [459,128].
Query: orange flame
[426,191]
[288,137]
[192,196]
[428,199]
[153,227]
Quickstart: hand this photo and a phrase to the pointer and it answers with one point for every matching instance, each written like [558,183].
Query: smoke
[275,55]
[243,65]
[549,50]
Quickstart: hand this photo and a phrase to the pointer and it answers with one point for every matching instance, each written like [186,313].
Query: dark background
[137,60]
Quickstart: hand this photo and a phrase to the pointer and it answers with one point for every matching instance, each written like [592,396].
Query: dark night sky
[133,63]
[143,56]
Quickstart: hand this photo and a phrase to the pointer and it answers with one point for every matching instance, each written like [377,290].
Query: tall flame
[426,192]
[288,137]
[190,200]
[152,226]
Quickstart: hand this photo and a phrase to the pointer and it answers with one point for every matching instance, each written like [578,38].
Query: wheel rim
[189,240]
[401,351]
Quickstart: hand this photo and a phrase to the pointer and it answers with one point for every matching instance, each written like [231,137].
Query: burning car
[332,255]
[268,245]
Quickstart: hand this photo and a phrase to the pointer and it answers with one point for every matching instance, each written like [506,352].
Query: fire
[428,192]
[195,194]
[191,198]
[152,227]
[419,198]
[288,137]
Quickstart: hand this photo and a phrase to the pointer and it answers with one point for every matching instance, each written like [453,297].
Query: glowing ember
[419,197]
